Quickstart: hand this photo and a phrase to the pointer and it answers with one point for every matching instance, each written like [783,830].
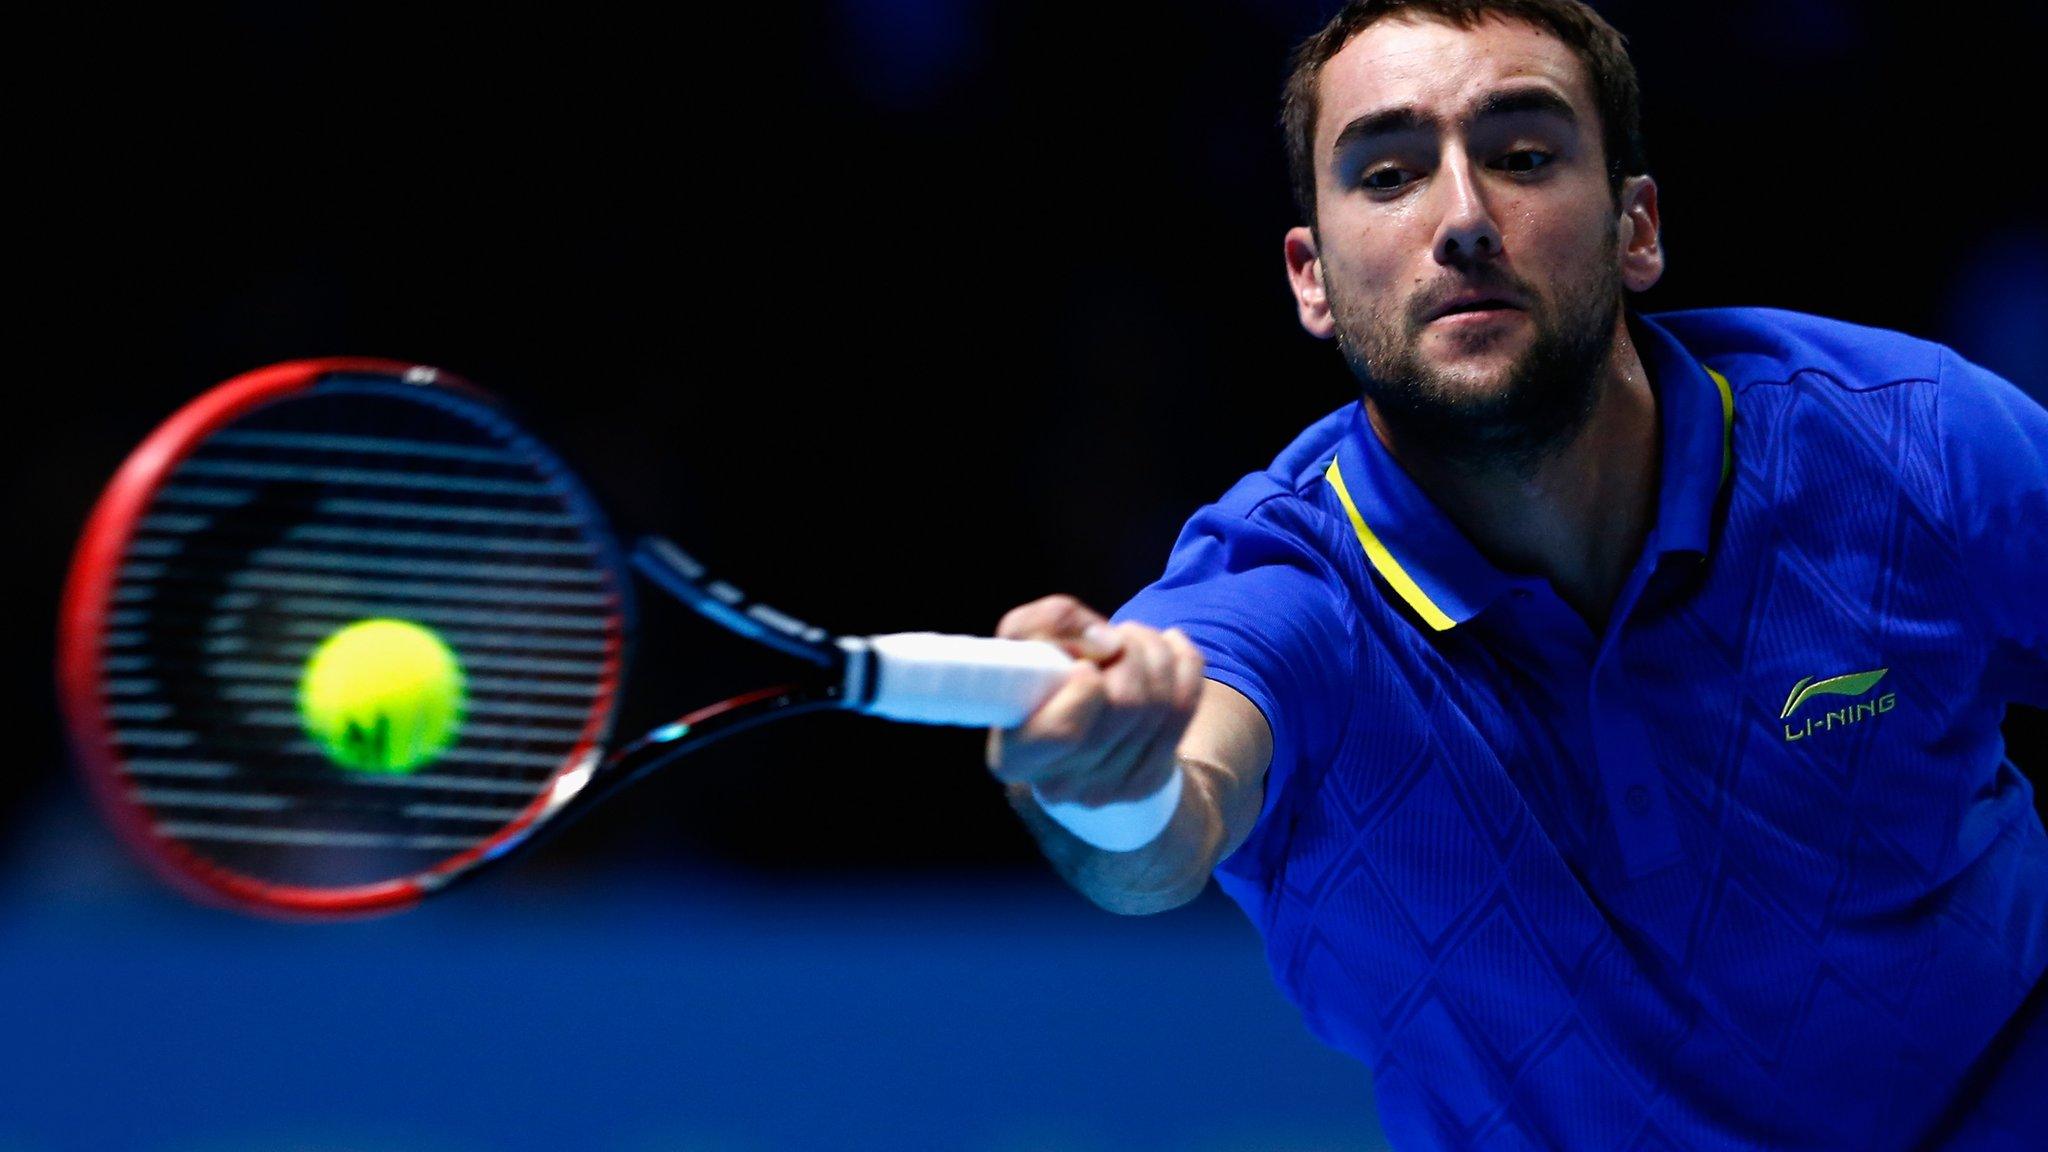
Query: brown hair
[1597,44]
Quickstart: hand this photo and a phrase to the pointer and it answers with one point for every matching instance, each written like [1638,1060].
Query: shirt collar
[1427,559]
[1697,408]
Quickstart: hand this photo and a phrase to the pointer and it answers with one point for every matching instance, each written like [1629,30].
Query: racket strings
[357,500]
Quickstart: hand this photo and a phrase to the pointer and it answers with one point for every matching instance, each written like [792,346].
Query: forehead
[1442,70]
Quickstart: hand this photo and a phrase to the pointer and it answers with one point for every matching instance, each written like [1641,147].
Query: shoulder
[1822,402]
[1270,539]
[1993,443]
[1286,500]
[1760,346]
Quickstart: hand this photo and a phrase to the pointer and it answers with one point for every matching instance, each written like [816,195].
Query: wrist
[1121,825]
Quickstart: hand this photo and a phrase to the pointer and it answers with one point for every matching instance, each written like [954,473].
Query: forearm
[1164,874]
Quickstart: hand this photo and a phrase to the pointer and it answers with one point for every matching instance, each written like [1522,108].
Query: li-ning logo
[1854,684]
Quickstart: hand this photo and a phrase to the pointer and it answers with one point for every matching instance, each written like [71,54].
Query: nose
[1468,233]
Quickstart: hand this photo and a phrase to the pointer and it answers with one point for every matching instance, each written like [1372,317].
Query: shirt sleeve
[1263,606]
[1994,443]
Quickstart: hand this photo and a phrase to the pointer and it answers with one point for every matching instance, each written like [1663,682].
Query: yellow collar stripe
[1405,586]
[1384,561]
[1727,423]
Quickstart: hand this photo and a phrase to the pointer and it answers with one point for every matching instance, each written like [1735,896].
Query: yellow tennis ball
[382,696]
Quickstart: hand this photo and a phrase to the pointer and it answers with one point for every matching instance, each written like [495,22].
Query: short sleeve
[1994,443]
[1261,603]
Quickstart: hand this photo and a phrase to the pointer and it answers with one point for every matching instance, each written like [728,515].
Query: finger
[1123,758]
[1109,762]
[1132,700]
[1148,751]
[1159,660]
[1188,666]
[1113,711]
[1081,632]
[1144,677]
[1054,733]
[1120,727]
[1165,690]
[1047,618]
[1074,708]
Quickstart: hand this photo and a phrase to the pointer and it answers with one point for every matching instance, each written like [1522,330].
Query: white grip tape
[933,678]
[1122,825]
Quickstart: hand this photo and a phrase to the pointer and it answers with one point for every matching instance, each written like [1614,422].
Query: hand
[1112,731]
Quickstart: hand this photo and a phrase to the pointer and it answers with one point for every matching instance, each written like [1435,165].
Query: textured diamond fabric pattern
[1562,889]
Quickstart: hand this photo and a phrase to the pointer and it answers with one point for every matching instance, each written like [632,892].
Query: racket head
[269,513]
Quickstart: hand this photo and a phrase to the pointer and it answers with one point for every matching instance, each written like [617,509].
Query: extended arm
[1224,753]
[1134,710]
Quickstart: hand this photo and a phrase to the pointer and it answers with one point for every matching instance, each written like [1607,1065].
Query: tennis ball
[382,696]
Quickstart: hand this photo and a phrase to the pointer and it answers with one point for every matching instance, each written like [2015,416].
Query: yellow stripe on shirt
[1383,560]
[1727,423]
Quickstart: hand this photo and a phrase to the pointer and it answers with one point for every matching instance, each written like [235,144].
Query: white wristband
[1121,825]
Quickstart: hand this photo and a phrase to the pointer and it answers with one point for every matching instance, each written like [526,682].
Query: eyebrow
[1528,101]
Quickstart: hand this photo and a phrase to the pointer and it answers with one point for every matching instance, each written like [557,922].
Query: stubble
[1533,407]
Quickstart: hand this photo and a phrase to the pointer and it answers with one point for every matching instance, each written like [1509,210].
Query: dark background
[901,312]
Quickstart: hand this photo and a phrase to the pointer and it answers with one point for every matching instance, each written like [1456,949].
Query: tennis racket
[289,503]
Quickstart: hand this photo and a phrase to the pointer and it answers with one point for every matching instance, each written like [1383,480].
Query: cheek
[1370,284]
[1363,260]
[1548,234]
[1569,251]
[1384,245]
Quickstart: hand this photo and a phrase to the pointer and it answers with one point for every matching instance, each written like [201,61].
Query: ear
[1642,243]
[1305,276]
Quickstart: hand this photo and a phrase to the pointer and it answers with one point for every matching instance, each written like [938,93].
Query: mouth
[1473,309]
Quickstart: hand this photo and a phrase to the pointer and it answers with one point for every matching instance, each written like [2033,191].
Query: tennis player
[1600,719]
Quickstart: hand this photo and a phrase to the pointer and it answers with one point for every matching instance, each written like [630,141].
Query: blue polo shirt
[1745,868]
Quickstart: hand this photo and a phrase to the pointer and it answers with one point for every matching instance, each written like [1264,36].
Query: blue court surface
[642,1012]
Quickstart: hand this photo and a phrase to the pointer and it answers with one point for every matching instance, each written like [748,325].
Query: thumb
[1097,642]
[1063,620]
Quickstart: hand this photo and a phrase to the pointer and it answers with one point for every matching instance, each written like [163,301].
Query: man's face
[1468,238]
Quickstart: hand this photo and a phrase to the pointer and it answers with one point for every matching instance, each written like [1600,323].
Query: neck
[1580,516]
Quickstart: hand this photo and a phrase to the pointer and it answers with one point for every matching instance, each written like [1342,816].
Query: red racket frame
[88,592]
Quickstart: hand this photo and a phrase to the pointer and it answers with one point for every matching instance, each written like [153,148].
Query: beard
[1506,425]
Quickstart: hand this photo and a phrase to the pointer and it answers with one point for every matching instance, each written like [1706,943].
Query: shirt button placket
[1638,804]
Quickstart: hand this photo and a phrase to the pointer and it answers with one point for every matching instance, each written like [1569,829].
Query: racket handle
[933,678]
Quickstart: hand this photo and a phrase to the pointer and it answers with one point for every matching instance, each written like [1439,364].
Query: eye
[1526,160]
[1384,179]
